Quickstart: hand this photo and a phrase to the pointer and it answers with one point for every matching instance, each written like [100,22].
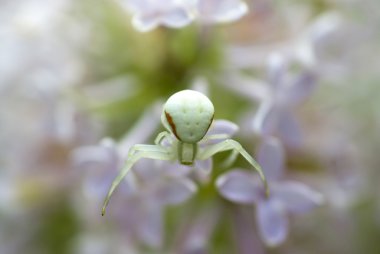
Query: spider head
[188,115]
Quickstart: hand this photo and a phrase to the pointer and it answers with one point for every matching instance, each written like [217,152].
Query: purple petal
[176,18]
[272,222]
[289,130]
[239,186]
[222,127]
[150,225]
[147,170]
[245,234]
[175,191]
[90,154]
[145,23]
[276,70]
[104,154]
[220,130]
[301,89]
[203,169]
[246,86]
[297,197]
[271,157]
[222,10]
[205,165]
[97,186]
[171,169]
[266,119]
[197,232]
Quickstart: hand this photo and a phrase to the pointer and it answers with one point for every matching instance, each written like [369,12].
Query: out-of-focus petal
[96,186]
[266,119]
[147,170]
[272,222]
[203,169]
[197,232]
[205,165]
[200,84]
[221,128]
[239,186]
[150,227]
[175,191]
[171,169]
[89,155]
[246,86]
[245,234]
[145,22]
[276,71]
[105,154]
[176,18]
[211,11]
[301,89]
[135,6]
[148,14]
[289,130]
[271,157]
[296,197]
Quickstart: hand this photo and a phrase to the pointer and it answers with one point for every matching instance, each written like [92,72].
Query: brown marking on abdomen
[171,123]
[212,118]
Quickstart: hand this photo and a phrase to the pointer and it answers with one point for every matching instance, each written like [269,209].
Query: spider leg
[146,148]
[230,159]
[137,152]
[214,137]
[161,136]
[230,144]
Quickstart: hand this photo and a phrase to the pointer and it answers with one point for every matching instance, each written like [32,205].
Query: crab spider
[187,115]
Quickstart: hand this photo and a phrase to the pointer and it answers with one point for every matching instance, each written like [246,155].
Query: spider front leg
[136,153]
[230,144]
[161,136]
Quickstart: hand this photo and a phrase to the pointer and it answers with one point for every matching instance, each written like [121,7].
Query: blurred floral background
[295,82]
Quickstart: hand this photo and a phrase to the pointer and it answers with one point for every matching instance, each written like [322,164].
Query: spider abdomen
[189,115]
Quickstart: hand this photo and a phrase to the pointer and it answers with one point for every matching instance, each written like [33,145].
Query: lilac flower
[287,197]
[149,14]
[278,98]
[306,44]
[285,92]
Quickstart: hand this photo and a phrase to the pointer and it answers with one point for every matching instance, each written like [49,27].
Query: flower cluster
[294,79]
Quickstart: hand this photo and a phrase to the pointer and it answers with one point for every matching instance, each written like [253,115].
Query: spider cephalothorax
[187,115]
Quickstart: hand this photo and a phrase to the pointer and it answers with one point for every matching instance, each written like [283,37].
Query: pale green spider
[187,115]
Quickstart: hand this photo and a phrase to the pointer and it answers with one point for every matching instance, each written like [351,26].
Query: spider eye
[188,115]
